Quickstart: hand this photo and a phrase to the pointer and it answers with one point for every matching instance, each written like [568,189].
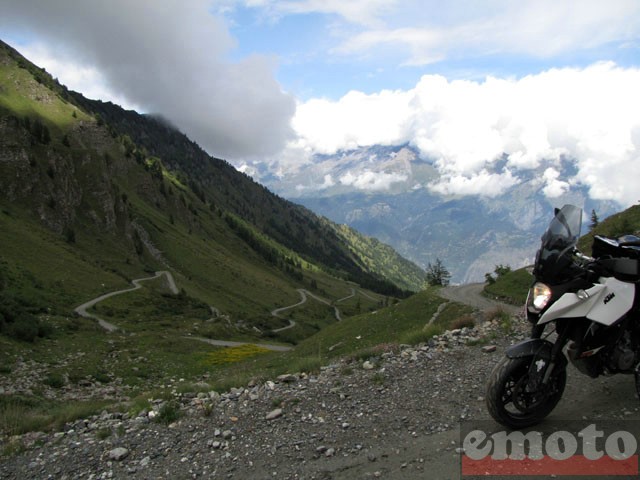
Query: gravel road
[471,294]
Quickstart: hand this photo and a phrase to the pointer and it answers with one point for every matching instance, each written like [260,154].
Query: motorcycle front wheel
[511,399]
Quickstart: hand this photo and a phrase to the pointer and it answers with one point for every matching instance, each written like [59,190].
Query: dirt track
[471,294]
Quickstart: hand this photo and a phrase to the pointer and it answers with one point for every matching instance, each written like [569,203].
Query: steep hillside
[217,182]
[622,223]
[380,257]
[92,196]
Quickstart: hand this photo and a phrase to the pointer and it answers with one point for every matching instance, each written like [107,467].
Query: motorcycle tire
[509,400]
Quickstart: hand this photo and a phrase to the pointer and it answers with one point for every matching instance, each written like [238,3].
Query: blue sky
[277,81]
[315,60]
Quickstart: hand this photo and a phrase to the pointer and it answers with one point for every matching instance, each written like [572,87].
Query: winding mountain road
[304,294]
[110,327]
[82,310]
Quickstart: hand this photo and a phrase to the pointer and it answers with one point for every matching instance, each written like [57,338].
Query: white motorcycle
[584,309]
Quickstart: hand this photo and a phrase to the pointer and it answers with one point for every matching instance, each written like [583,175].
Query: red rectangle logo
[575,465]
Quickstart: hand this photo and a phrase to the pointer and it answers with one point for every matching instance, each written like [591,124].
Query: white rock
[119,453]
[287,378]
[274,414]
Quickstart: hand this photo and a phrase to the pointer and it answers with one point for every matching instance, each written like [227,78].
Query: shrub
[103,433]
[502,317]
[17,322]
[102,377]
[422,335]
[169,413]
[54,380]
[462,322]
[24,327]
[233,354]
[378,378]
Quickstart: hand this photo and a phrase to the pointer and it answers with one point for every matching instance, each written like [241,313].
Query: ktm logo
[609,297]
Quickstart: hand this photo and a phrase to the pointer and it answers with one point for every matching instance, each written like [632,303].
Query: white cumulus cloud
[541,28]
[372,181]
[588,116]
[481,183]
[554,187]
[356,119]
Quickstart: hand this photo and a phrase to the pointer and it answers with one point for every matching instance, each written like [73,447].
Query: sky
[466,82]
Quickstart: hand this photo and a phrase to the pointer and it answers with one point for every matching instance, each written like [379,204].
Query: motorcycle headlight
[539,296]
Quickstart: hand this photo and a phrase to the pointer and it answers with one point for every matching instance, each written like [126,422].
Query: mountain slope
[380,257]
[217,182]
[92,195]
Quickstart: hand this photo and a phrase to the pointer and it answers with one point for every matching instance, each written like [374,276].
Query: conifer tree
[594,220]
[437,274]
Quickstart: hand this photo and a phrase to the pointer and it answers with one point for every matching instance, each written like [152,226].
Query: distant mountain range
[384,192]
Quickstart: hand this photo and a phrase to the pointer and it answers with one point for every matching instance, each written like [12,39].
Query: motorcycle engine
[623,356]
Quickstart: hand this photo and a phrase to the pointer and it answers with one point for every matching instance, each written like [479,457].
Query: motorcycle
[584,310]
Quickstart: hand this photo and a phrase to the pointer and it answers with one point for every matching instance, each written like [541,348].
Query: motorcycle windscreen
[557,242]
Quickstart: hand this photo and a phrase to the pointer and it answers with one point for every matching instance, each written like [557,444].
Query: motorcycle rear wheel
[510,399]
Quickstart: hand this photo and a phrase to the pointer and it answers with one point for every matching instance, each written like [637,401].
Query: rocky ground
[395,415]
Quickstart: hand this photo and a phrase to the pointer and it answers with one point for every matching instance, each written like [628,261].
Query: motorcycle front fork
[556,350]
[537,331]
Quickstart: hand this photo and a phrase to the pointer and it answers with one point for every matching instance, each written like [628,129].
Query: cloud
[554,187]
[372,181]
[82,78]
[425,31]
[168,59]
[361,12]
[482,183]
[355,119]
[481,134]
[541,29]
[327,183]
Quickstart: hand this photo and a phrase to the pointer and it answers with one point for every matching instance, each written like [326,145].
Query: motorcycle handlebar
[583,257]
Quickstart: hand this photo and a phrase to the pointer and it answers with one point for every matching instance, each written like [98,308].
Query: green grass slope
[381,258]
[84,210]
[622,223]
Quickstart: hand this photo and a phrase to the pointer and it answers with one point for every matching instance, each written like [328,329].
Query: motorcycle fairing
[605,303]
